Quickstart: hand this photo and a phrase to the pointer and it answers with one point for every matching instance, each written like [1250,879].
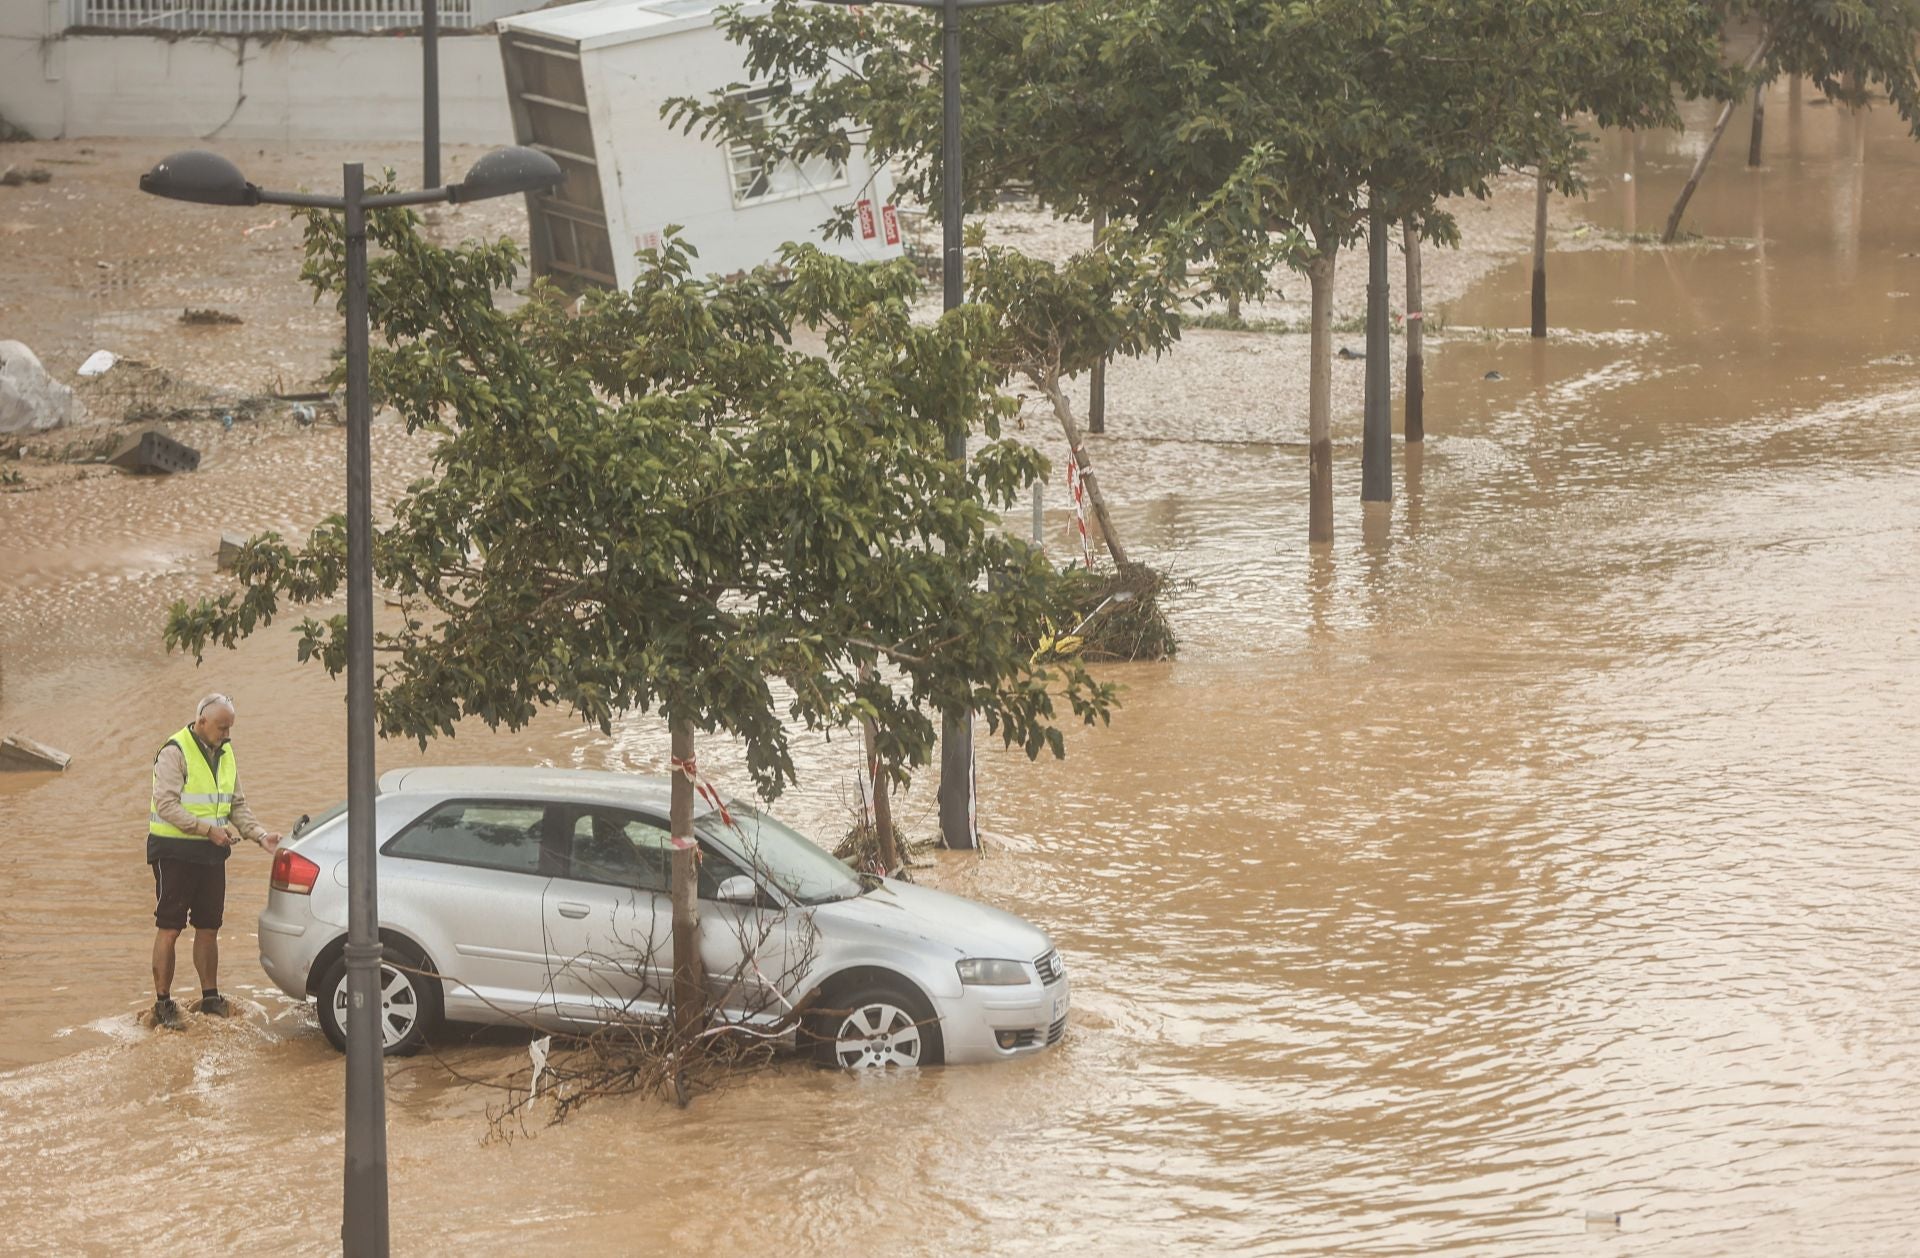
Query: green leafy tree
[1259,133]
[1055,322]
[657,503]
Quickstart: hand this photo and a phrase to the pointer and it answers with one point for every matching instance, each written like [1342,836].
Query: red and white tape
[1077,493]
[705,789]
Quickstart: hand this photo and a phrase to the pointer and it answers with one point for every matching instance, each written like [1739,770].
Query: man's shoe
[167,1014]
[215,1005]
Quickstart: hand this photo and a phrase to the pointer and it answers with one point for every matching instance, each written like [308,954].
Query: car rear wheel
[409,1002]
[875,1027]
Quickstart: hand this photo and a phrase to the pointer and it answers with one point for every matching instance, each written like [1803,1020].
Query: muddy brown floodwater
[1550,850]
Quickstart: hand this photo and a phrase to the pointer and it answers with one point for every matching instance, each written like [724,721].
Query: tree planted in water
[1845,48]
[655,503]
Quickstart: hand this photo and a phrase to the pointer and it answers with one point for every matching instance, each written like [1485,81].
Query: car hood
[943,920]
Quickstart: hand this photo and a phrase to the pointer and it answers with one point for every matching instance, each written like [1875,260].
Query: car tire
[874,1026]
[410,1002]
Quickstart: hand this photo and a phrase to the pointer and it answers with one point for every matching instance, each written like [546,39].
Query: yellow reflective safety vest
[205,795]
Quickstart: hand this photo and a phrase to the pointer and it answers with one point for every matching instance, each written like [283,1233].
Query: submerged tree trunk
[1759,124]
[1376,433]
[689,979]
[1416,422]
[1097,384]
[1706,155]
[882,804]
[1063,410]
[1320,394]
[1541,194]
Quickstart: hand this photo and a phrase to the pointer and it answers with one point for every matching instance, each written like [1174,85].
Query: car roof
[649,790]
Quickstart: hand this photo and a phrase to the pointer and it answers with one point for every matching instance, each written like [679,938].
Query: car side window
[492,835]
[622,848]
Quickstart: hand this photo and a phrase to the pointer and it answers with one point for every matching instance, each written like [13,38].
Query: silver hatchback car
[541,895]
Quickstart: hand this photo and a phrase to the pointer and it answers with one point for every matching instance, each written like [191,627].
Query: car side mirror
[738,889]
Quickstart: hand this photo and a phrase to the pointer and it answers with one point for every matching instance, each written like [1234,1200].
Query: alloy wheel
[399,1005]
[875,1036]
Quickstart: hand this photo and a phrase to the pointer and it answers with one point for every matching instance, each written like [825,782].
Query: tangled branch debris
[1119,614]
[639,1051]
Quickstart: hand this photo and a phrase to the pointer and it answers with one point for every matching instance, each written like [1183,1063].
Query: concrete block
[19,754]
[154,451]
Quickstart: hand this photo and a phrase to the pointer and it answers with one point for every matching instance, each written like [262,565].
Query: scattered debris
[154,451]
[1493,375]
[12,478]
[1350,353]
[13,176]
[99,362]
[10,134]
[231,545]
[30,399]
[208,317]
[1117,616]
[19,754]
[860,846]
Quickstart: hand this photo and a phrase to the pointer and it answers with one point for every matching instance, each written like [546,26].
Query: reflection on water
[1546,849]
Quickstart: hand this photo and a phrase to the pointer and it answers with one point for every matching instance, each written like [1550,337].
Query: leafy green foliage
[1845,47]
[1247,124]
[1052,322]
[657,502]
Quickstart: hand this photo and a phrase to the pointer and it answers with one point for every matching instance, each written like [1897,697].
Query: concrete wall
[28,97]
[348,87]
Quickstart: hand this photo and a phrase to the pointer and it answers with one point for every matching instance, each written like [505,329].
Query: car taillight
[294,872]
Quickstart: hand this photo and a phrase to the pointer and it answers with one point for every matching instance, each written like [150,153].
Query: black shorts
[188,890]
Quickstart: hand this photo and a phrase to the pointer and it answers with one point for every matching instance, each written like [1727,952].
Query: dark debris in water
[1119,615]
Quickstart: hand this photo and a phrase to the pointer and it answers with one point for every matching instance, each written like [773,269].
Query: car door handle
[572,908]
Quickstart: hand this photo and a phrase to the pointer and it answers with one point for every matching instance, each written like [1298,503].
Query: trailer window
[755,179]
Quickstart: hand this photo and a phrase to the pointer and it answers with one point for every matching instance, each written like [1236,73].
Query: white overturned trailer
[586,83]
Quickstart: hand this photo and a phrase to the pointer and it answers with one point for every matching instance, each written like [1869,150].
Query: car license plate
[1059,1006]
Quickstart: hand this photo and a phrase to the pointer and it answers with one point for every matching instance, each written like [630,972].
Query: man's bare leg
[206,958]
[163,941]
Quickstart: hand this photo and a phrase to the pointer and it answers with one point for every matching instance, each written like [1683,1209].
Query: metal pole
[363,1216]
[956,740]
[1097,385]
[430,86]
[1376,450]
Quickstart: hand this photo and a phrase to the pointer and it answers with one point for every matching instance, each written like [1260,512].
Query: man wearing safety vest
[196,815]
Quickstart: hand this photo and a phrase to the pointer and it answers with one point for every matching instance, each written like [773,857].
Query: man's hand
[271,842]
[221,836]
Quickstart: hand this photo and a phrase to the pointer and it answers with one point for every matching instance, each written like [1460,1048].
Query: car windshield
[782,855]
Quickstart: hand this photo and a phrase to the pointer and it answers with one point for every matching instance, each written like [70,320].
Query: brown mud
[1545,846]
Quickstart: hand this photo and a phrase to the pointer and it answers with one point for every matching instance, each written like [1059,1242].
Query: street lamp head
[201,177]
[506,171]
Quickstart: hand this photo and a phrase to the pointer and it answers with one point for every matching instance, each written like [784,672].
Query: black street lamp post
[210,179]
[430,91]
[956,734]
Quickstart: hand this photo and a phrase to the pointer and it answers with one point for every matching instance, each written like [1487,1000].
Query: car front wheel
[874,1027]
[409,1003]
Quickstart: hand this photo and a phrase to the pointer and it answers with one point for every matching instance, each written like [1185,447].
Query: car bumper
[290,940]
[998,1023]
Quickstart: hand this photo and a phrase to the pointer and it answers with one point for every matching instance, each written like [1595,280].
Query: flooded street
[1548,849]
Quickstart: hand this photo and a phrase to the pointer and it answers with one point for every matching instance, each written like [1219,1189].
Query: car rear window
[492,835]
